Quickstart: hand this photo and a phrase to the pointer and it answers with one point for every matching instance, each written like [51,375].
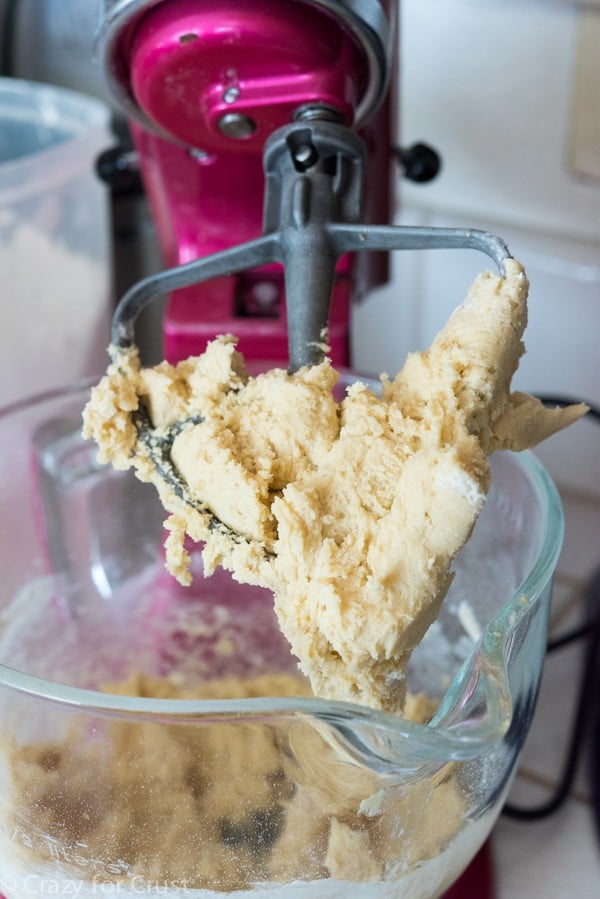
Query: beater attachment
[312,217]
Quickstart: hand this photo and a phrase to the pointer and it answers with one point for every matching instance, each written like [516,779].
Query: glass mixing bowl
[129,762]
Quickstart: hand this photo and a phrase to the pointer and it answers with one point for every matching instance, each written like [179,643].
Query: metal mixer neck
[314,173]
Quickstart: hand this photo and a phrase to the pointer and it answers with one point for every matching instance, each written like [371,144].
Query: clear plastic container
[281,795]
[55,244]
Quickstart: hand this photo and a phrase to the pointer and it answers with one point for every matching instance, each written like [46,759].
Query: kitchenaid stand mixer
[264,115]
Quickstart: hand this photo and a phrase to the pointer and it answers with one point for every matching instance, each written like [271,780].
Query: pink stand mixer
[263,131]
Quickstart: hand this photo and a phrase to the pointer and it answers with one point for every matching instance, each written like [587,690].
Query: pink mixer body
[213,80]
[193,63]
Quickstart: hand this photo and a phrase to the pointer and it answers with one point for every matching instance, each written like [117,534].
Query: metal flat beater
[312,216]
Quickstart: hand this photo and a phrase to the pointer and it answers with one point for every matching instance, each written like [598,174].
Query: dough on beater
[351,512]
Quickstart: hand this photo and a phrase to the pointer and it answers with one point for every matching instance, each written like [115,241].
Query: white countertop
[557,857]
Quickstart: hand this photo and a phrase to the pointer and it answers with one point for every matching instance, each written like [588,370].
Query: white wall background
[508,92]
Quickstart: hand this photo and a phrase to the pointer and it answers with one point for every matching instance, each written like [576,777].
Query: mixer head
[223,74]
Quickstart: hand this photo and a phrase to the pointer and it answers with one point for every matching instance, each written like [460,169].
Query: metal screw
[265,294]
[198,154]
[305,155]
[236,125]
[231,94]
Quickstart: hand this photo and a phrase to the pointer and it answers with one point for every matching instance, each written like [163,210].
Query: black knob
[420,162]
[118,167]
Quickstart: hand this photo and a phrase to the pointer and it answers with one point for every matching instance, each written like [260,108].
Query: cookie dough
[220,806]
[351,512]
